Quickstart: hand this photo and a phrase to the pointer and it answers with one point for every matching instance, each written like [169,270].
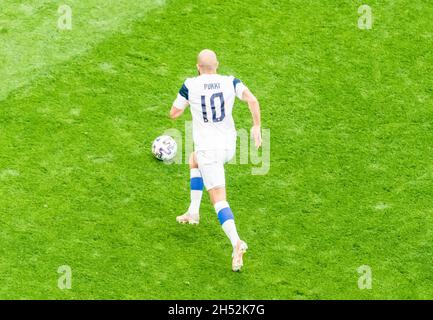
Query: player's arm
[180,103]
[175,112]
[254,106]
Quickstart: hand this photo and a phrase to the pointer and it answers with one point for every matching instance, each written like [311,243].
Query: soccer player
[211,97]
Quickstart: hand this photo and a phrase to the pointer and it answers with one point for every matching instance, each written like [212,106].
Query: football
[164,148]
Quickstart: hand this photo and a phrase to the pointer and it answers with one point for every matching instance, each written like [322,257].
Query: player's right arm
[254,106]
[243,93]
[181,102]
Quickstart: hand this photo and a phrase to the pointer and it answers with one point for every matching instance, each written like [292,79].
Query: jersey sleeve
[181,101]
[239,87]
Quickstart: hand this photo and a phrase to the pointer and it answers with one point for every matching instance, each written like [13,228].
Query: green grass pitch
[350,114]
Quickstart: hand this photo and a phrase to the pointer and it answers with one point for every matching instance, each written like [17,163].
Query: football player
[211,97]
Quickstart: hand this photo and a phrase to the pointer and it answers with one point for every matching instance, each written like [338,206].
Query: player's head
[207,62]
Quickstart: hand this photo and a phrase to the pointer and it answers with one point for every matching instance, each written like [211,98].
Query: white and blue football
[164,148]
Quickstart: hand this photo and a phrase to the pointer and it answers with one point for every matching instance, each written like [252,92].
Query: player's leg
[224,213]
[212,168]
[226,219]
[192,216]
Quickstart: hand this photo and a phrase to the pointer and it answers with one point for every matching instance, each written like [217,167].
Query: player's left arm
[254,106]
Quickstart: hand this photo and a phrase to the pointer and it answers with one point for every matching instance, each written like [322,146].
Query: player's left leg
[192,216]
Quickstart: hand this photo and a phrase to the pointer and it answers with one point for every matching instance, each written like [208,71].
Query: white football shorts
[211,165]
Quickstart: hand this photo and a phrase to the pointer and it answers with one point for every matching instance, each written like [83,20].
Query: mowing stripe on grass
[36,24]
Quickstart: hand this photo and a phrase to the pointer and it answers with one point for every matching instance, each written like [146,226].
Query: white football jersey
[211,98]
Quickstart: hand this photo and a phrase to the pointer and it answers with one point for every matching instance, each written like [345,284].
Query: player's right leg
[212,168]
[227,221]
[192,216]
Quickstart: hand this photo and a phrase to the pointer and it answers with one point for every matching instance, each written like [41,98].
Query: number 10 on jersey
[212,99]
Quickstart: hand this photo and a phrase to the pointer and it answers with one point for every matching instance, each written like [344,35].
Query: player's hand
[257,136]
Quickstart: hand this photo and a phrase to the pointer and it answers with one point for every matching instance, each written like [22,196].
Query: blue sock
[227,221]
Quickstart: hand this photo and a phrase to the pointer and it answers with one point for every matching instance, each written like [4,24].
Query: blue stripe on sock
[225,214]
[197,183]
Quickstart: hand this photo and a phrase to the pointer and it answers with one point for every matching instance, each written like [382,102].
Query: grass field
[350,113]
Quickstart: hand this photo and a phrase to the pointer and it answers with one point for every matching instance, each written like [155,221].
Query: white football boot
[237,256]
[188,218]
